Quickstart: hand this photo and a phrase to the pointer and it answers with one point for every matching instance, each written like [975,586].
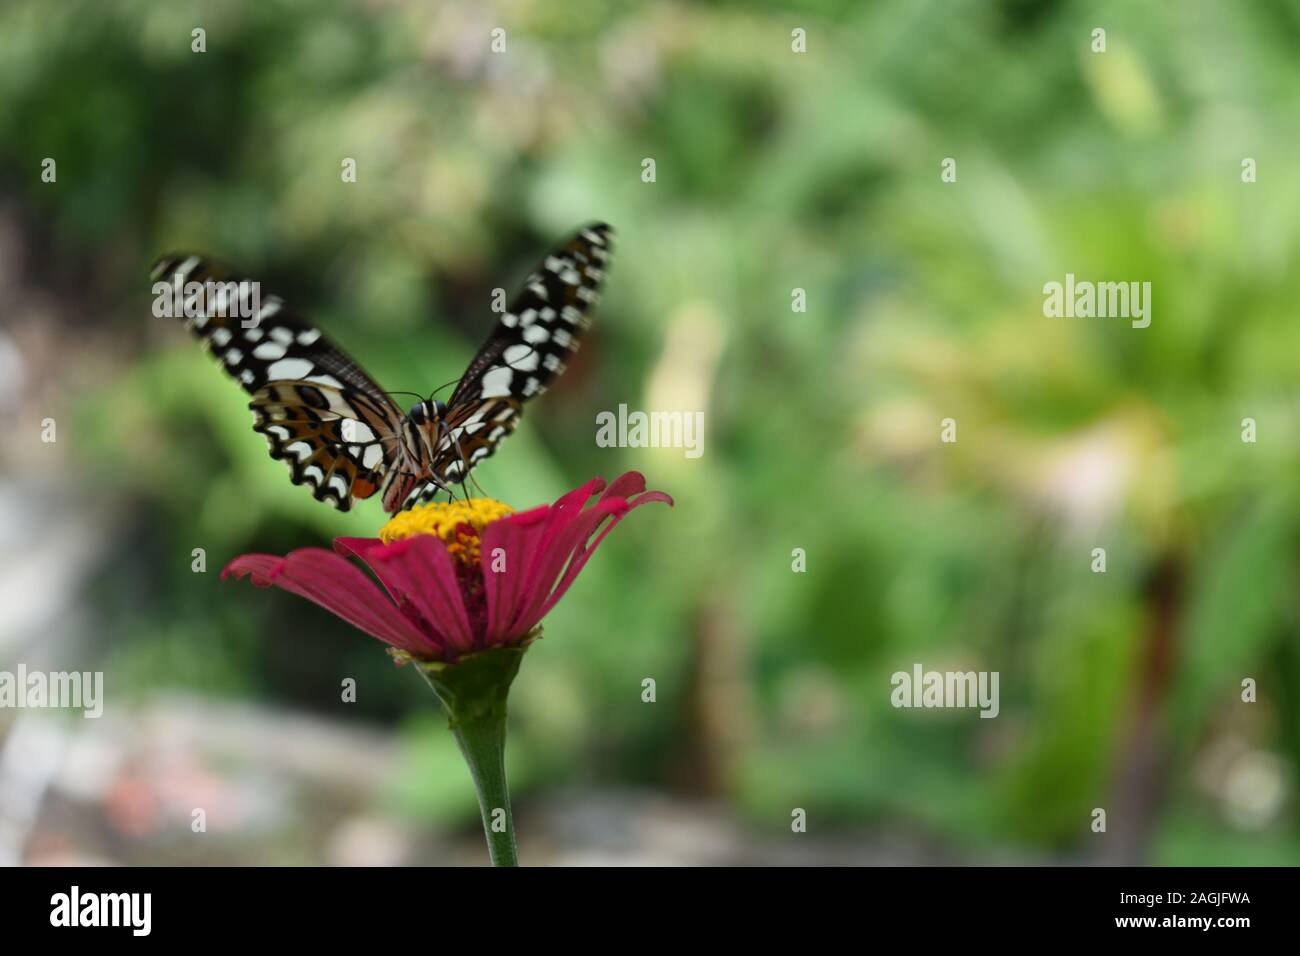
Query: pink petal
[558,517]
[552,557]
[335,584]
[419,572]
[540,543]
[586,550]
[359,548]
[625,485]
[633,483]
[355,546]
[518,536]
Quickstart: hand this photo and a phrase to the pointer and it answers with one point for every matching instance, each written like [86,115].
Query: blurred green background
[775,171]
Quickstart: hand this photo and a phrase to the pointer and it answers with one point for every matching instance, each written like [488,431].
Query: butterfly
[336,429]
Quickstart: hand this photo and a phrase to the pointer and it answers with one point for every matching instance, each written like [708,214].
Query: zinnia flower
[465,586]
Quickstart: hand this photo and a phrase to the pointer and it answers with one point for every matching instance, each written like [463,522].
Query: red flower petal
[518,536]
[356,546]
[557,518]
[419,572]
[587,549]
[432,597]
[554,555]
[324,578]
[540,543]
[627,484]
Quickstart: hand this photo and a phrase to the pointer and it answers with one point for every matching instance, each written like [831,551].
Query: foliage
[775,170]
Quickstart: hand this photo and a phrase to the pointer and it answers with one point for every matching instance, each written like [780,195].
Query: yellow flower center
[458,523]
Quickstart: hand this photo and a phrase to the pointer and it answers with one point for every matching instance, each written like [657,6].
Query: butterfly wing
[320,413]
[472,433]
[540,330]
[543,324]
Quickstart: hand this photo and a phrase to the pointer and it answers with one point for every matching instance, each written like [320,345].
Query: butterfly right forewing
[544,323]
[529,347]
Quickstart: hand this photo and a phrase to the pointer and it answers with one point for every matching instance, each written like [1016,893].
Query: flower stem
[483,742]
[473,692]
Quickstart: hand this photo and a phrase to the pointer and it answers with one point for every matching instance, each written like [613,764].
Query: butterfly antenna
[454,381]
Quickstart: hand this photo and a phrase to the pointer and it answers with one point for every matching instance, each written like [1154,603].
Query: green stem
[473,693]
[483,743]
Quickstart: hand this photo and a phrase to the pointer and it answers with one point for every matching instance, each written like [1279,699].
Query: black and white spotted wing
[321,414]
[337,430]
[538,333]
[543,324]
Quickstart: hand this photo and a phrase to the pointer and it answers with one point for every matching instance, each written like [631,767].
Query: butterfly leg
[464,461]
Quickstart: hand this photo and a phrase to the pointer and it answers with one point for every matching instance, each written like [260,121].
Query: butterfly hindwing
[472,433]
[320,412]
[324,437]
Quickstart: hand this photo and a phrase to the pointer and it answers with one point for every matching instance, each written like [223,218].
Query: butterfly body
[341,433]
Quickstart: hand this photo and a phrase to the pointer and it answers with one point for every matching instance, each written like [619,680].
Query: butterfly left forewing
[321,414]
